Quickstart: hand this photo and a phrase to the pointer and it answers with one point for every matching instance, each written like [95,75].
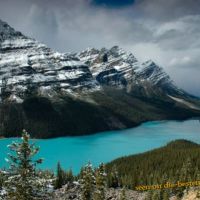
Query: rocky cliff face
[52,94]
[68,192]
[113,67]
[27,66]
[118,68]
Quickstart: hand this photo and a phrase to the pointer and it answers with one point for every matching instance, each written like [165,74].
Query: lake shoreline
[101,132]
[74,152]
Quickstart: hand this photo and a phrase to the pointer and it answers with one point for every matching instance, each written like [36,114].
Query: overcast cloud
[166,31]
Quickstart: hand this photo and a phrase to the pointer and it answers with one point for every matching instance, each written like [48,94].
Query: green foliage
[100,180]
[60,177]
[69,177]
[24,182]
[185,174]
[186,171]
[93,182]
[63,177]
[177,161]
[87,183]
[113,178]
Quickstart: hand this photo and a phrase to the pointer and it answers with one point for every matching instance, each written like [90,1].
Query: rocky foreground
[69,192]
[74,192]
[192,194]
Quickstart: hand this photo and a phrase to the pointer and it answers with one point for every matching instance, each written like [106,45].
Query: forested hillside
[118,180]
[177,161]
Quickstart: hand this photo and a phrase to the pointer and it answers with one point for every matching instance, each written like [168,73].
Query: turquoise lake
[74,152]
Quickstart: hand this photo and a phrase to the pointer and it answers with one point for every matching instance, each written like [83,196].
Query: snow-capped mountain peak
[150,71]
[53,94]
[119,68]
[27,65]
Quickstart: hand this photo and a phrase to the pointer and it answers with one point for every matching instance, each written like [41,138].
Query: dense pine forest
[177,161]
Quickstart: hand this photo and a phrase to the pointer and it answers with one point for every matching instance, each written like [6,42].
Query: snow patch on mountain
[27,64]
[184,102]
[119,68]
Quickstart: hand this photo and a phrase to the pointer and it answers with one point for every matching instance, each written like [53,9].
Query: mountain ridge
[52,94]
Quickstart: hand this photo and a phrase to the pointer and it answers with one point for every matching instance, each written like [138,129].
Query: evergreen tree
[87,183]
[184,176]
[100,178]
[80,175]
[69,176]
[24,182]
[113,179]
[60,177]
[164,193]
[186,171]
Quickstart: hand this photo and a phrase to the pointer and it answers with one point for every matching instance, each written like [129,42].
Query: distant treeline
[177,161]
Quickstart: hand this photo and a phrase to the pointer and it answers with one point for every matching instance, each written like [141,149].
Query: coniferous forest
[177,161]
[109,89]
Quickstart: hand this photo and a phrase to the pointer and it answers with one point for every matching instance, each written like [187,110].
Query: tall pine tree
[60,177]
[69,176]
[113,178]
[87,182]
[24,182]
[100,187]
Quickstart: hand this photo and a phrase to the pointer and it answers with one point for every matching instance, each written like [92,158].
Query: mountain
[52,94]
[25,63]
[116,67]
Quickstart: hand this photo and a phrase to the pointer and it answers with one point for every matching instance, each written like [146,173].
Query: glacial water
[74,152]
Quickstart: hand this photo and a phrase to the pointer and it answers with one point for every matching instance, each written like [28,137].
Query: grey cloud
[188,79]
[166,10]
[42,24]
[180,33]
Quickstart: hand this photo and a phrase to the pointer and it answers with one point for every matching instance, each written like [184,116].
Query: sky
[165,31]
